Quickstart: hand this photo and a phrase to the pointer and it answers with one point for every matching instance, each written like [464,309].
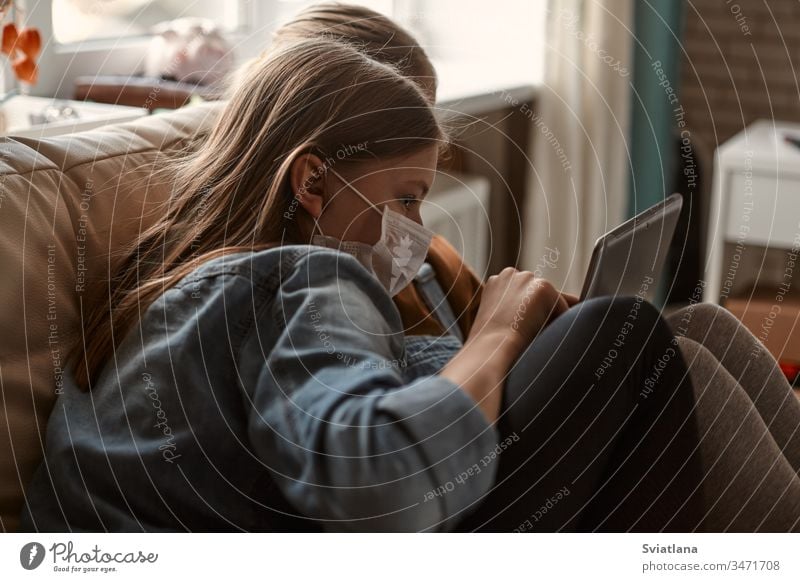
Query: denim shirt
[267,391]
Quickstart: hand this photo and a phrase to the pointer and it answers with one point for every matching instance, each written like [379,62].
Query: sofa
[68,206]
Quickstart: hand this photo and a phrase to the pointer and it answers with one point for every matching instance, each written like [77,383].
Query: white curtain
[579,180]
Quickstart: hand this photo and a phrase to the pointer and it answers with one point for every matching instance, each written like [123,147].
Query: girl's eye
[408,201]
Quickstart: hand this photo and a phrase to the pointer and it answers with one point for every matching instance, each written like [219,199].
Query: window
[77,21]
[507,33]
[111,37]
[474,44]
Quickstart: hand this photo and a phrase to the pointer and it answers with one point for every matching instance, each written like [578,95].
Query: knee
[626,321]
[710,313]
[634,312]
[628,329]
[621,319]
[688,348]
[702,316]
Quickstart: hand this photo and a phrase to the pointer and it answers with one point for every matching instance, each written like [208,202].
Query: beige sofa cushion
[67,205]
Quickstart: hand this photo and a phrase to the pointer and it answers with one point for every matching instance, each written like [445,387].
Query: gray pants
[625,420]
[749,422]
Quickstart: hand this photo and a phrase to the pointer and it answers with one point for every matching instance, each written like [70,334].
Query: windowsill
[475,88]
[466,87]
[16,111]
[139,42]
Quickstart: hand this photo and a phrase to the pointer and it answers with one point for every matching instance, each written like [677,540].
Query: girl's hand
[516,306]
[571,299]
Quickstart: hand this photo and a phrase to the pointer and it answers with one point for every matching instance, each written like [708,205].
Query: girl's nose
[416,216]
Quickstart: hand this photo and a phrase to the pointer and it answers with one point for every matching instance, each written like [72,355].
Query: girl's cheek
[365,229]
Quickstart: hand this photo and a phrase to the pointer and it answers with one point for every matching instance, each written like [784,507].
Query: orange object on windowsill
[22,47]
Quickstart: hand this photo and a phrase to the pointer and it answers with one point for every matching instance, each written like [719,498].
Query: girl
[243,379]
[385,41]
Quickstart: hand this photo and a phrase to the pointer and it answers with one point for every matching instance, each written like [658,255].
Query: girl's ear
[307,175]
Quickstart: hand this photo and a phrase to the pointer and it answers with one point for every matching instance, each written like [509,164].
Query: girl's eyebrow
[420,184]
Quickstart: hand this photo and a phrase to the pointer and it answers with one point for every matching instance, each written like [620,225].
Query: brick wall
[742,63]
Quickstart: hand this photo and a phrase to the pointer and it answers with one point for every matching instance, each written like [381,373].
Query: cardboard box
[774,319]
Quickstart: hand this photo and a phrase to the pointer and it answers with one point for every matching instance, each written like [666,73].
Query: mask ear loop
[316,228]
[357,191]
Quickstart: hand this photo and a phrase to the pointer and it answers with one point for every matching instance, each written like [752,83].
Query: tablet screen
[629,259]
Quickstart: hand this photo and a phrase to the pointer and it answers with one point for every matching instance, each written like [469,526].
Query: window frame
[61,63]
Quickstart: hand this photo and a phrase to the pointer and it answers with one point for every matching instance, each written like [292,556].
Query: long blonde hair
[233,193]
[371,32]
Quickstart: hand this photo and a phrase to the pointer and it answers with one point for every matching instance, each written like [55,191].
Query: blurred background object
[189,50]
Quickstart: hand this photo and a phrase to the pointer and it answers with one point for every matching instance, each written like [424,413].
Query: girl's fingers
[570,299]
[559,308]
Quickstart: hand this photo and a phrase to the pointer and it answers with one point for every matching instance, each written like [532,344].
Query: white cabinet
[15,116]
[755,203]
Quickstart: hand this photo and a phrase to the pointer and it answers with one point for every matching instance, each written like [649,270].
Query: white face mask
[397,256]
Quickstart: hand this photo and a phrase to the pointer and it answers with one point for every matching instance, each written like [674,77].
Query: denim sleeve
[348,441]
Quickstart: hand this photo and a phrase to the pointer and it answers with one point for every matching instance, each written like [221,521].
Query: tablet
[629,259]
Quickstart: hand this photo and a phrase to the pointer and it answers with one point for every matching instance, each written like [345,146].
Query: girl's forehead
[419,165]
